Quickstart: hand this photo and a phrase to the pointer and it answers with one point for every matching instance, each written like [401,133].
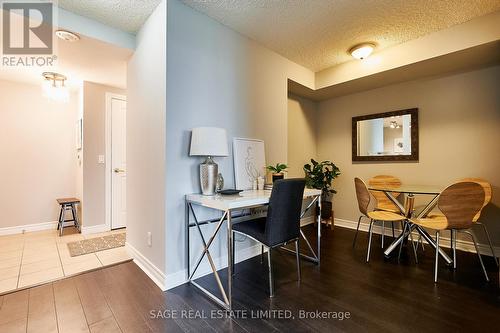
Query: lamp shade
[208,141]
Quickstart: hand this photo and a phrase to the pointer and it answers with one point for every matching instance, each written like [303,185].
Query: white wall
[94,144]
[217,77]
[37,154]
[146,89]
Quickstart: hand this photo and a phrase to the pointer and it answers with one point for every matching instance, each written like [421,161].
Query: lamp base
[208,176]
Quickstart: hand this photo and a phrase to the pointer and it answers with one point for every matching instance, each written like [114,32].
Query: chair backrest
[460,202]
[283,214]
[363,196]
[383,202]
[487,193]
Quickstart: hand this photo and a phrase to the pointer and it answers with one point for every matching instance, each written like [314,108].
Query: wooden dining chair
[459,204]
[487,198]
[383,202]
[364,198]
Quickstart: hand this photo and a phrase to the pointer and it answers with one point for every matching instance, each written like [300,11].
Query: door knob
[117,170]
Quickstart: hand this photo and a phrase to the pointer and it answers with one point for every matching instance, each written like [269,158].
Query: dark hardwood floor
[380,296]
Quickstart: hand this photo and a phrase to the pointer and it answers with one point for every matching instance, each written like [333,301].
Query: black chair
[282,223]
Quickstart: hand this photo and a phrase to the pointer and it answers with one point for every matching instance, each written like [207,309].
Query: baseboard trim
[19,229]
[463,245]
[93,229]
[307,220]
[147,266]
[176,279]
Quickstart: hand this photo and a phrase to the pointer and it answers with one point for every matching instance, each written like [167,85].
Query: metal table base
[226,301]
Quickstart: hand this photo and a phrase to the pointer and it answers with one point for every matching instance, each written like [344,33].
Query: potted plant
[319,175]
[277,170]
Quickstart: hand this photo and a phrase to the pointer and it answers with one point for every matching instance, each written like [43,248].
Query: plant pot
[326,210]
[277,176]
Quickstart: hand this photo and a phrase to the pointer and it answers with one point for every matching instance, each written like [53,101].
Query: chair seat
[66,201]
[386,208]
[254,228]
[434,221]
[381,215]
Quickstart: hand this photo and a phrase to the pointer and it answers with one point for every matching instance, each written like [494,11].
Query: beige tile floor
[33,258]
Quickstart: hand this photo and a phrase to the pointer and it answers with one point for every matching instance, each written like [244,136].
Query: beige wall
[459,128]
[37,154]
[146,90]
[301,134]
[94,117]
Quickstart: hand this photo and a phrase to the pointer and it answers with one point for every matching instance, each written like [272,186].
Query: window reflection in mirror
[385,136]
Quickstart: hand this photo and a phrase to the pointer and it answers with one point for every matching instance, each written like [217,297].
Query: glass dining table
[407,209]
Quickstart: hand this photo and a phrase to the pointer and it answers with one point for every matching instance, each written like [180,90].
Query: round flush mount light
[362,51]
[67,35]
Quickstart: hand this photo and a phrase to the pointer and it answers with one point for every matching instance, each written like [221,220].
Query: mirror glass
[386,136]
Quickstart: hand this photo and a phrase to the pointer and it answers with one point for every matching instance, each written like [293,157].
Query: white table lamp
[209,142]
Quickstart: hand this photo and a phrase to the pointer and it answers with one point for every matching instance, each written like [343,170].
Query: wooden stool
[68,204]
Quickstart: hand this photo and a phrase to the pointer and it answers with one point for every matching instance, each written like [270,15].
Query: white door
[118,164]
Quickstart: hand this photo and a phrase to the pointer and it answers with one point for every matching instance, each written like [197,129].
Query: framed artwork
[79,134]
[399,145]
[249,162]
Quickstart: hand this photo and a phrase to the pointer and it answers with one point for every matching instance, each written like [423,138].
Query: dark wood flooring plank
[15,326]
[94,304]
[14,307]
[156,301]
[192,298]
[69,310]
[107,325]
[42,312]
[381,296]
[121,302]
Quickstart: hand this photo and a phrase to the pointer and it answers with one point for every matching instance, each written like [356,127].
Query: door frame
[107,156]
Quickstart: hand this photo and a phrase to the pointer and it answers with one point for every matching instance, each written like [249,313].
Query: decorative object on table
[209,142]
[230,192]
[319,175]
[260,183]
[254,184]
[277,170]
[220,183]
[249,161]
[96,244]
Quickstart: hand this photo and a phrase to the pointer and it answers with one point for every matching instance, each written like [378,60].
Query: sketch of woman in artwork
[250,168]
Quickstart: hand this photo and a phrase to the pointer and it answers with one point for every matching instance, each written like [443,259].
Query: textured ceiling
[126,15]
[318,33]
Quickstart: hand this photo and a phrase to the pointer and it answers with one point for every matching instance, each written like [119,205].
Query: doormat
[97,244]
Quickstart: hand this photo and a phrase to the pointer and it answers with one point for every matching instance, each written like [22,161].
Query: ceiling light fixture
[362,51]
[67,35]
[54,88]
[394,124]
